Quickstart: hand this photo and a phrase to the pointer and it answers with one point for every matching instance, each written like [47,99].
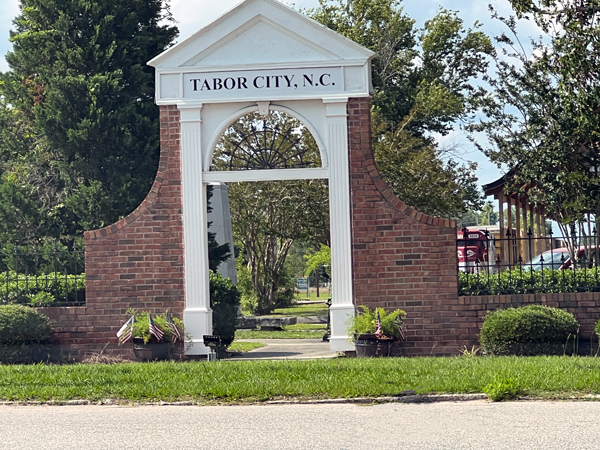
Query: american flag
[378,331]
[153,329]
[400,325]
[126,331]
[173,327]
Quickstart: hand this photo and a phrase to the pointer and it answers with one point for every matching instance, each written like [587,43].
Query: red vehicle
[475,250]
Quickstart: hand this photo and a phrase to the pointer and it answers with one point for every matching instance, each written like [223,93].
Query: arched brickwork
[138,261]
[401,257]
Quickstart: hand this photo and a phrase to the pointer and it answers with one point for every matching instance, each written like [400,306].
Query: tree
[424,84]
[488,215]
[267,217]
[543,112]
[82,136]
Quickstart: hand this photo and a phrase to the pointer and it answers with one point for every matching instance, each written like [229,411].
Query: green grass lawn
[242,347]
[323,295]
[297,331]
[258,334]
[248,381]
[314,309]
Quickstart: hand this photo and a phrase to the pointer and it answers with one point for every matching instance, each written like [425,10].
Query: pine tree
[83,132]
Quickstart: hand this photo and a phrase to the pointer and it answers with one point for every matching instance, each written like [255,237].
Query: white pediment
[261,35]
[277,45]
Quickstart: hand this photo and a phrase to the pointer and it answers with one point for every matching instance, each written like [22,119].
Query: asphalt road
[468,425]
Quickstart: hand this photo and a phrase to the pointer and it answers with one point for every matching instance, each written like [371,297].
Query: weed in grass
[501,389]
[469,352]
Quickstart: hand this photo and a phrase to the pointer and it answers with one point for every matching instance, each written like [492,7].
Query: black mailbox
[212,341]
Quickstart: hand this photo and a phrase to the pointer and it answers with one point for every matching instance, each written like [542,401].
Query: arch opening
[277,140]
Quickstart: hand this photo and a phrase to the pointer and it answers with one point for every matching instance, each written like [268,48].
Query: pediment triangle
[261,41]
[261,31]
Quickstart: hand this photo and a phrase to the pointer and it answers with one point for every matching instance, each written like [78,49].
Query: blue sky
[194,14]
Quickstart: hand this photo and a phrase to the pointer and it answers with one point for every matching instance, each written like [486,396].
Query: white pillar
[197,316]
[342,306]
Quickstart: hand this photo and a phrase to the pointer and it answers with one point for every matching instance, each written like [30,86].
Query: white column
[197,315]
[342,307]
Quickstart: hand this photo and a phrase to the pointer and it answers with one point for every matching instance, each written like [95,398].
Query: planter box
[152,351]
[370,346]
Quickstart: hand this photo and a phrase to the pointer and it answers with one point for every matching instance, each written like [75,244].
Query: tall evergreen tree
[81,137]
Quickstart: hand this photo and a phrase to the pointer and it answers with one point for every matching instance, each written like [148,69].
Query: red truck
[475,250]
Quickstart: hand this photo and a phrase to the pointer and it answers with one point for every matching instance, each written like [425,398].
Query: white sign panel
[263,83]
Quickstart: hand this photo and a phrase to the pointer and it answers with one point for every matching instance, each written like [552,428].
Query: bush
[20,325]
[24,335]
[225,302]
[42,290]
[519,281]
[529,330]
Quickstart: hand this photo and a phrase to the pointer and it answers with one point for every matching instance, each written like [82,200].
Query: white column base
[198,323]
[339,341]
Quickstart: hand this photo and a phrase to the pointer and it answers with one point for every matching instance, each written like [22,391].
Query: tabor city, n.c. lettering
[261,82]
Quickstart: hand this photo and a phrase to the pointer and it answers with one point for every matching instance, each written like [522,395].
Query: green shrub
[20,325]
[42,298]
[529,330]
[519,281]
[225,302]
[364,322]
[18,288]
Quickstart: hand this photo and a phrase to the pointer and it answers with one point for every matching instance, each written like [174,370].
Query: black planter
[152,351]
[370,346]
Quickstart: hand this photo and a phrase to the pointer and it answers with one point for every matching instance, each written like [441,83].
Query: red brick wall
[585,306]
[402,258]
[138,261]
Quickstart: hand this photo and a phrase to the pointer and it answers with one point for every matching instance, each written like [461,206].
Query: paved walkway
[287,349]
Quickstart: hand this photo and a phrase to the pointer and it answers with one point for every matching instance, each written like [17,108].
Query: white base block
[339,340]
[341,344]
[198,323]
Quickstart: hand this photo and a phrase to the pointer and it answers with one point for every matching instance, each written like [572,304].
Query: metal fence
[49,275]
[513,264]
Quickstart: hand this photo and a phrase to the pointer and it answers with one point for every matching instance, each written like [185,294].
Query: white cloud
[8,10]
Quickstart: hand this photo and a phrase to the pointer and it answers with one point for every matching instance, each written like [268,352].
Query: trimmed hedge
[529,330]
[24,335]
[519,281]
[33,290]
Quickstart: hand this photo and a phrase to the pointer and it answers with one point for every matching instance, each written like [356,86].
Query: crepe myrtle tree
[425,82]
[543,114]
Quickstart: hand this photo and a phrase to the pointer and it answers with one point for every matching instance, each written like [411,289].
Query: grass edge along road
[252,381]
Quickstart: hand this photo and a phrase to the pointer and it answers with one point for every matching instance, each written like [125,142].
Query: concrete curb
[330,401]
[401,399]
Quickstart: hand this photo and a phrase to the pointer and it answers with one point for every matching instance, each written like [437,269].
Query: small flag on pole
[126,331]
[153,329]
[378,331]
[176,334]
[400,325]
